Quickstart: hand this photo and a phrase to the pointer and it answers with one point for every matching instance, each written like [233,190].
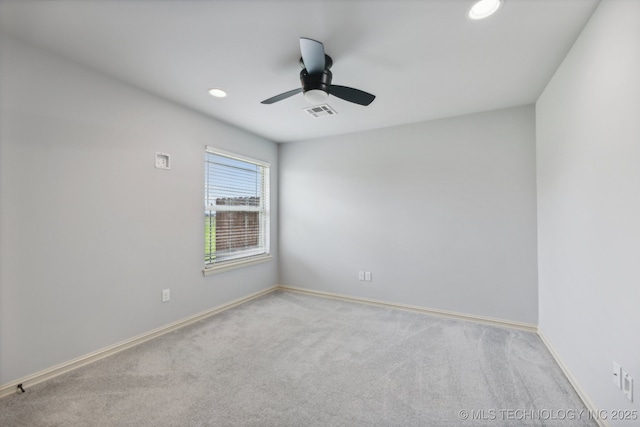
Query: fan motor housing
[317,81]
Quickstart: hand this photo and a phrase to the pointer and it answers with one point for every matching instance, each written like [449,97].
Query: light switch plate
[627,385]
[617,375]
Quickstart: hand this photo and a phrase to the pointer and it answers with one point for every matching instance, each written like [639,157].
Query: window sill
[233,265]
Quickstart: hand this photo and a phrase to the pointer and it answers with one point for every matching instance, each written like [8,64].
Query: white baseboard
[30,380]
[38,377]
[62,368]
[572,379]
[450,314]
[460,316]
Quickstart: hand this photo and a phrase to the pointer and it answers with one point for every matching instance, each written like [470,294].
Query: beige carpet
[287,359]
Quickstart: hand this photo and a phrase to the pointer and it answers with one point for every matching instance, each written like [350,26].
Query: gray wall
[442,213]
[588,147]
[91,231]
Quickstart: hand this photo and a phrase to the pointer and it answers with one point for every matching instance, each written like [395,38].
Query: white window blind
[236,208]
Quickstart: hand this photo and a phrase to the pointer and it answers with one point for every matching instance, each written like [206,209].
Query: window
[236,210]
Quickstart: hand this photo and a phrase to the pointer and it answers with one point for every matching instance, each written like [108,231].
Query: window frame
[264,219]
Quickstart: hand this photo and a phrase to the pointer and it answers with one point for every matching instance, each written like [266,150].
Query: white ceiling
[422,59]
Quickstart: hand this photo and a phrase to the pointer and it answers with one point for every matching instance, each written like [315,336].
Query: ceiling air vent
[321,111]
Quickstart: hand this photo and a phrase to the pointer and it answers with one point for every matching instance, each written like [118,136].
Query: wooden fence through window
[237,229]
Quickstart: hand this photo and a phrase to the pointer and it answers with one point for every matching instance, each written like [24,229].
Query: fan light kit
[315,96]
[315,78]
[484,8]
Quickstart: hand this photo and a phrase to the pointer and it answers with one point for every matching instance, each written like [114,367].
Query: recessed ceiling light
[218,93]
[484,8]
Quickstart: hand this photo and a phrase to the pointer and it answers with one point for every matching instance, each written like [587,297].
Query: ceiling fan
[315,78]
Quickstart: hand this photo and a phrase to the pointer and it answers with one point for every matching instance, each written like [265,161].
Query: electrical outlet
[367,276]
[166,295]
[617,375]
